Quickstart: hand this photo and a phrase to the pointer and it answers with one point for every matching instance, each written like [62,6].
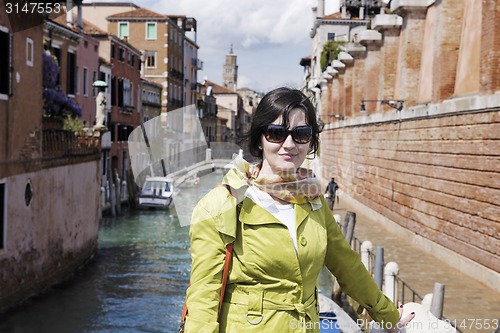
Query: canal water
[136,283]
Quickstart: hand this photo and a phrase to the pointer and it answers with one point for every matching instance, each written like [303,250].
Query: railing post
[366,249]
[349,224]
[437,302]
[379,266]
[390,281]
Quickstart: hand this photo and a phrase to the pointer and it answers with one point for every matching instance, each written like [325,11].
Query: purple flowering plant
[55,102]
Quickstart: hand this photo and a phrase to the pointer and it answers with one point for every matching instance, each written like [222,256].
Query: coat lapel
[301,213]
[253,214]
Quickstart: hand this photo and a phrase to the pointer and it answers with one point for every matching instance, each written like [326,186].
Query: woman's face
[286,156]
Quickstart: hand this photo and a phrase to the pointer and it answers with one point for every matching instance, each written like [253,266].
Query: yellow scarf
[297,188]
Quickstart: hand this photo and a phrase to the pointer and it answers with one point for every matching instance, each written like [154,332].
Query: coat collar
[253,214]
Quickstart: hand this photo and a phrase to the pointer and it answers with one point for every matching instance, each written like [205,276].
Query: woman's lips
[287,157]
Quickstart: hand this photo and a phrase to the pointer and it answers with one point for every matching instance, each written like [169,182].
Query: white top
[284,213]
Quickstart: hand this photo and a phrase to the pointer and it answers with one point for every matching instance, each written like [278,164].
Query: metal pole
[378,274]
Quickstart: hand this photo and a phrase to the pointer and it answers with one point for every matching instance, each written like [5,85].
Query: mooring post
[378,271]
[366,249]
[390,281]
[437,300]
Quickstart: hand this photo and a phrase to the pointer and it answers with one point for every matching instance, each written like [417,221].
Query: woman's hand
[400,326]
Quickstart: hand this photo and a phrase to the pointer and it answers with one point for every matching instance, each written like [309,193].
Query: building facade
[125,94]
[45,171]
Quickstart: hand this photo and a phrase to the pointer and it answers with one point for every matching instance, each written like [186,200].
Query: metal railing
[61,143]
[406,286]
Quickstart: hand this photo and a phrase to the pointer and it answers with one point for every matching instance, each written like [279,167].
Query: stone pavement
[473,306]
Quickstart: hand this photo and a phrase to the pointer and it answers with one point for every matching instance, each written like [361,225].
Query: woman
[283,234]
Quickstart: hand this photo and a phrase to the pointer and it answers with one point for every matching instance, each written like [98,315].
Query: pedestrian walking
[282,234]
[331,191]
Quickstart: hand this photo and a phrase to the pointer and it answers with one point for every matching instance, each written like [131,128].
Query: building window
[151,30]
[94,89]
[85,82]
[5,63]
[122,54]
[120,93]
[123,30]
[77,79]
[112,51]
[29,52]
[127,93]
[150,59]
[71,74]
[113,91]
[2,215]
[131,59]
[331,36]
[58,54]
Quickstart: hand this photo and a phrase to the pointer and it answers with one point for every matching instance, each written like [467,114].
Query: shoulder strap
[225,271]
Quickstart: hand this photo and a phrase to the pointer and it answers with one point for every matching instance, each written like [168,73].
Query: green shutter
[151,31]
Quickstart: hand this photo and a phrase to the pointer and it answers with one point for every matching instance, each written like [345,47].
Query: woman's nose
[289,142]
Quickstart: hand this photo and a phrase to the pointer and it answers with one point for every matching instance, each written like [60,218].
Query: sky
[269,37]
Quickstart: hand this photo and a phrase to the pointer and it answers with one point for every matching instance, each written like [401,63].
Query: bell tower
[230,71]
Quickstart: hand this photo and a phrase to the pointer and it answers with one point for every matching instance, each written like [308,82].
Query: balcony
[60,147]
[195,62]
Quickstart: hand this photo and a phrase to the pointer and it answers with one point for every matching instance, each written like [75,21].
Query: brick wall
[436,177]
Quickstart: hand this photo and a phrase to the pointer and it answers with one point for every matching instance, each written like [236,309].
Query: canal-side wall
[48,239]
[431,167]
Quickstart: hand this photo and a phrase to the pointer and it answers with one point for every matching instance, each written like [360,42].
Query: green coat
[269,283]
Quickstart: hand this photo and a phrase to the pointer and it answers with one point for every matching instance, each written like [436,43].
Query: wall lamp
[393,103]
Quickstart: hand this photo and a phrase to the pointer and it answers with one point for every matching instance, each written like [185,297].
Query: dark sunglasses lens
[302,134]
[276,133]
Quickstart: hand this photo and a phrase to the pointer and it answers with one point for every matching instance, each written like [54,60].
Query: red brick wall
[436,177]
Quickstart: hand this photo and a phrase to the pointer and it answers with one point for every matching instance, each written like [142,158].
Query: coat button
[303,241]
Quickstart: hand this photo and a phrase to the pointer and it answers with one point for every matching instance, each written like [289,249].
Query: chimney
[69,13]
[79,20]
[321,8]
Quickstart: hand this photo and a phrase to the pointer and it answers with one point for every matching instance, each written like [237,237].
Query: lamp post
[393,103]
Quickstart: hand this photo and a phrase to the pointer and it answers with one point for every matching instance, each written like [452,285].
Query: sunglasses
[279,133]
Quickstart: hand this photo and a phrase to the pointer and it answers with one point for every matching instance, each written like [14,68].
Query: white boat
[157,192]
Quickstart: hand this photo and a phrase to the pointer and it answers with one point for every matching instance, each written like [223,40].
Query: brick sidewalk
[468,302]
